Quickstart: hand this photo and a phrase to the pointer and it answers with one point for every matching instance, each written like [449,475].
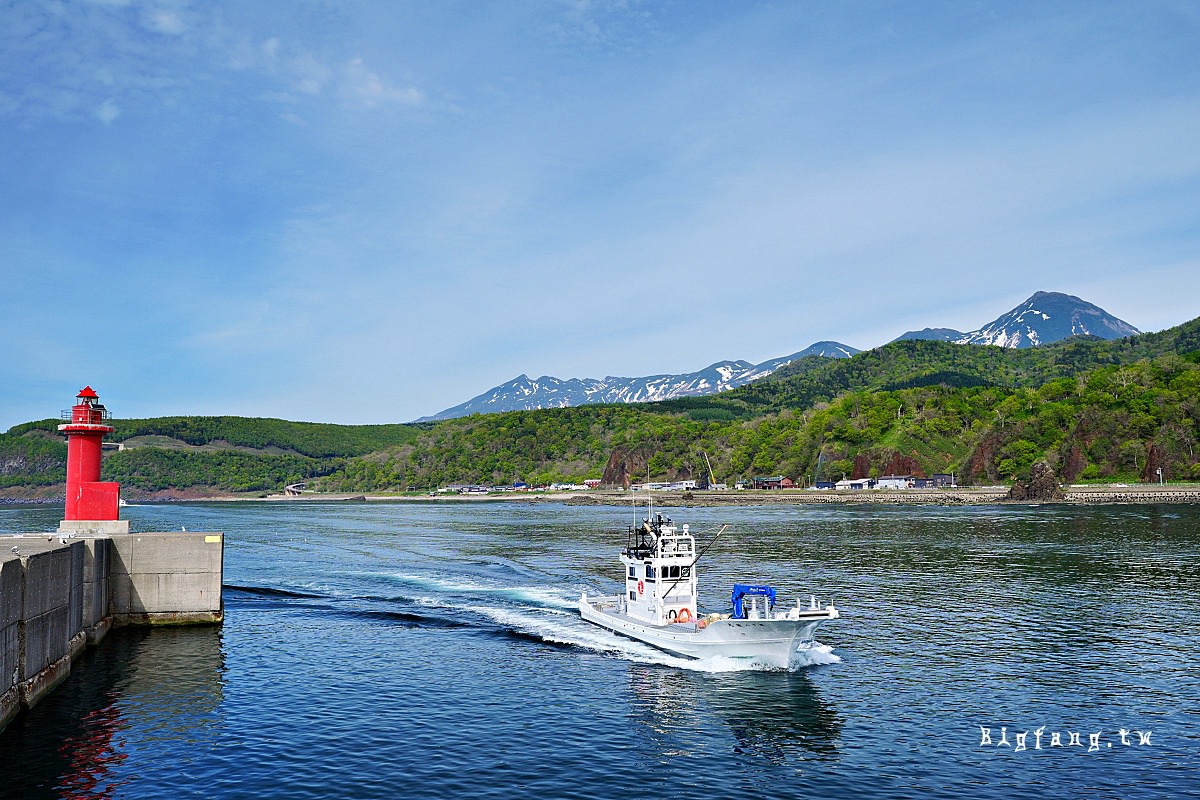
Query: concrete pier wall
[59,595]
[166,578]
[50,629]
[12,579]
[97,560]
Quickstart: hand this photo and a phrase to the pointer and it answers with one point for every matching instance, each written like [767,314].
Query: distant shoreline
[1139,494]
[1073,495]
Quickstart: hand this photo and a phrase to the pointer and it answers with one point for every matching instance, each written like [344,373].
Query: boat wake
[537,613]
[439,589]
[814,655]
[552,617]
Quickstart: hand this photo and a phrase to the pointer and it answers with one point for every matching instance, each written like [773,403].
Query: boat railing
[609,601]
[677,545]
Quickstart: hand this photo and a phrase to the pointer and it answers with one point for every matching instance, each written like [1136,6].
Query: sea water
[416,650]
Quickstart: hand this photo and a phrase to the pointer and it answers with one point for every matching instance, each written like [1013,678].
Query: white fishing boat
[658,606]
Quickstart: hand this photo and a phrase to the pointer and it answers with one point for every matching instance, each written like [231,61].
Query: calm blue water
[395,651]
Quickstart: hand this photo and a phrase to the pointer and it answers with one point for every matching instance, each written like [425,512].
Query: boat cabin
[660,572]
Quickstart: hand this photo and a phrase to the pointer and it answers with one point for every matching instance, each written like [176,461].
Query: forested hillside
[225,454]
[1113,422]
[1093,408]
[913,363]
[1111,410]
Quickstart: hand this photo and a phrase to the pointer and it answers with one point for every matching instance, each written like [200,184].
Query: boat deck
[614,607]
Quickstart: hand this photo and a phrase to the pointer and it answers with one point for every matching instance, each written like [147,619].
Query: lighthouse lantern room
[92,505]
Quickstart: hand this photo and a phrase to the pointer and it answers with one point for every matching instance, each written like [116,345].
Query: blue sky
[363,212]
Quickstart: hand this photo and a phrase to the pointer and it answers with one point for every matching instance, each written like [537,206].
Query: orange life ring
[641,588]
[685,615]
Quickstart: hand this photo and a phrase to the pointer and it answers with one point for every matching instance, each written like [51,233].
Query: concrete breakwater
[1147,494]
[58,595]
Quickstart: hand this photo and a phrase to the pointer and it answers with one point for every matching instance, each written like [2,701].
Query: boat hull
[768,641]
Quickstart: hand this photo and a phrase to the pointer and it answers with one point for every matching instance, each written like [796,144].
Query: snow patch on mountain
[1048,317]
[1043,318]
[523,394]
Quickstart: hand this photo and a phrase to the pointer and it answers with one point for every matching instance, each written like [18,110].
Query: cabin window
[632,572]
[649,572]
[633,595]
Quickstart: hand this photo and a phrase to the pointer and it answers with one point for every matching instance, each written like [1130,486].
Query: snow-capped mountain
[1048,317]
[524,394]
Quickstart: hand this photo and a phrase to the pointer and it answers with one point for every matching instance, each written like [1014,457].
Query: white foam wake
[539,595]
[814,654]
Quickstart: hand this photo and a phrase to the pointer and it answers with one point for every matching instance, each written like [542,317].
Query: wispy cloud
[164,21]
[108,112]
[157,55]
[361,86]
[419,200]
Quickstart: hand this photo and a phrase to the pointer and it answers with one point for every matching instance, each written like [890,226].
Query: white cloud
[362,86]
[163,21]
[108,112]
[308,86]
[307,74]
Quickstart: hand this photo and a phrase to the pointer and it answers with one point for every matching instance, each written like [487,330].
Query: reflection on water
[91,756]
[769,714]
[772,712]
[140,688]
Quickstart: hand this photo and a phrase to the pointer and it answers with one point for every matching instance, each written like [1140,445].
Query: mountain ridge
[525,394]
[1043,318]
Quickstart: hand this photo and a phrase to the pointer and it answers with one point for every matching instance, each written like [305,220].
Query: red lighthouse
[91,504]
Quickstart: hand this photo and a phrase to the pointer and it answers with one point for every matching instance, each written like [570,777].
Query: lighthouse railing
[90,416]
